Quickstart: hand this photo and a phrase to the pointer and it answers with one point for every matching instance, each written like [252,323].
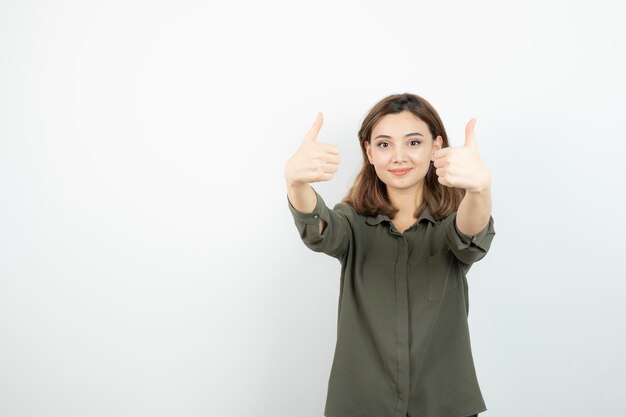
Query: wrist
[294,183]
[483,186]
[479,190]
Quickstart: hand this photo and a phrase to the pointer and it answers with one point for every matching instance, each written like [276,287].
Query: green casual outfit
[403,342]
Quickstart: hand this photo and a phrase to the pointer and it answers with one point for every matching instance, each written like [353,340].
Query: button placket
[402,321]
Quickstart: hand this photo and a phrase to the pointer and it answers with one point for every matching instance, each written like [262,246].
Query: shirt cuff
[462,241]
[320,211]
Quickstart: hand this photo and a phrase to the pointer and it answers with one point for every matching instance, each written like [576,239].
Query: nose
[400,154]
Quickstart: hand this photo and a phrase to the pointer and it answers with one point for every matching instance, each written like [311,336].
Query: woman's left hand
[461,167]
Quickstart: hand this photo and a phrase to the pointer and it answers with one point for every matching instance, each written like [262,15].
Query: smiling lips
[399,172]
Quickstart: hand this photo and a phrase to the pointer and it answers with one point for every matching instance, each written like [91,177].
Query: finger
[325,176]
[330,158]
[443,181]
[470,138]
[441,153]
[329,148]
[322,166]
[329,168]
[311,135]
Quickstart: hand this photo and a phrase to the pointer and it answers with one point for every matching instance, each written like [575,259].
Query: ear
[437,144]
[368,150]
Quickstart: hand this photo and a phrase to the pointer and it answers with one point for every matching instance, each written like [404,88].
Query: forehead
[400,124]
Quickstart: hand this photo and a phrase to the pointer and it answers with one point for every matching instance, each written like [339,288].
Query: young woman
[406,234]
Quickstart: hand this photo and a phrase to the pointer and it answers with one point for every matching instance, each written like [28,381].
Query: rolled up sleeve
[469,249]
[335,238]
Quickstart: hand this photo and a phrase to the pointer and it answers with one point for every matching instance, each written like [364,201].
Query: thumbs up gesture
[313,161]
[461,167]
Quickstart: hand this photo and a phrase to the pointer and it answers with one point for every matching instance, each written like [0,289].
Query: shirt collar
[374,220]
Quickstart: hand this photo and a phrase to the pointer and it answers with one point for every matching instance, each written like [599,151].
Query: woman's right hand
[313,161]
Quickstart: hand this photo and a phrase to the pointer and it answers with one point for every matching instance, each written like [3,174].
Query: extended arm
[302,197]
[321,229]
[469,230]
[474,211]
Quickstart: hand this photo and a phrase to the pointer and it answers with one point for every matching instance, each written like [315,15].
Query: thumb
[470,138]
[311,136]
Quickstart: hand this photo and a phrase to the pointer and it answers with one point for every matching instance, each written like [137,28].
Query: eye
[417,142]
[382,143]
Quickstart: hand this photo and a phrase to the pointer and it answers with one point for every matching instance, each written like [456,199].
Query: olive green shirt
[403,342]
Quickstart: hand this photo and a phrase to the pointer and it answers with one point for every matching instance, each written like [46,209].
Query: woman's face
[401,150]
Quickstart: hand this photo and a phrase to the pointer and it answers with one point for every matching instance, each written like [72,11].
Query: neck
[406,200]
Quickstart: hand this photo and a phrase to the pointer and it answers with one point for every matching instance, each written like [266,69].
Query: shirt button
[316,216]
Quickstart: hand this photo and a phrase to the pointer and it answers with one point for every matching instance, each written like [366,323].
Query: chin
[404,182]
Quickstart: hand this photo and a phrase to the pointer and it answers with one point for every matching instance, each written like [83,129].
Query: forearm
[302,196]
[474,211]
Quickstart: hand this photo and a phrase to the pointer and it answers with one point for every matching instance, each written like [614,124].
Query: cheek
[423,159]
[380,158]
[380,163]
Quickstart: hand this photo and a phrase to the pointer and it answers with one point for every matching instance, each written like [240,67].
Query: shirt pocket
[438,270]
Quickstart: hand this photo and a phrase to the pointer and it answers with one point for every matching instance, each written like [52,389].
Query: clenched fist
[313,161]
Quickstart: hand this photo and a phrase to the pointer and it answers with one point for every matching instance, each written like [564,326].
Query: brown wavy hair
[368,194]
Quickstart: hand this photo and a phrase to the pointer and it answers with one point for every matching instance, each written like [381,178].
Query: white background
[149,265]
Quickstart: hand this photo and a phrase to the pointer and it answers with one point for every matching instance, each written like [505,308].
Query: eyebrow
[406,136]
